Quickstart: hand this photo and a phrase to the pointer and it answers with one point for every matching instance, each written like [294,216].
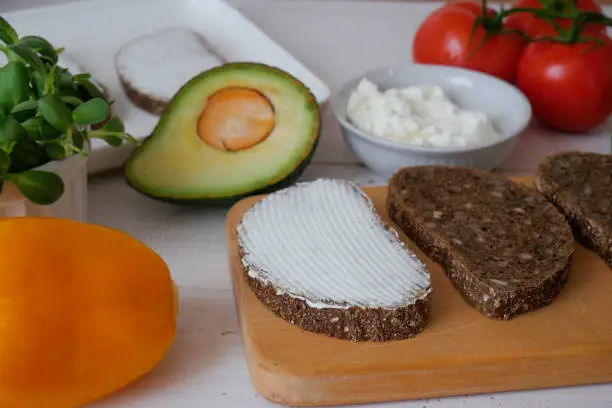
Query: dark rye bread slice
[505,248]
[580,185]
[318,256]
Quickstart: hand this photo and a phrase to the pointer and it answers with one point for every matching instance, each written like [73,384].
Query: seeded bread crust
[354,324]
[358,324]
[505,248]
[580,185]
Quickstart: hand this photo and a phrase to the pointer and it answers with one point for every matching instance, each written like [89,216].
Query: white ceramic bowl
[504,104]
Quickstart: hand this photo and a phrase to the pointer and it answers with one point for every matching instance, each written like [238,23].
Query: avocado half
[235,130]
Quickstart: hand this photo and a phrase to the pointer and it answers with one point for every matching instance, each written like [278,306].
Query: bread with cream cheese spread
[579,184]
[503,246]
[318,255]
[152,68]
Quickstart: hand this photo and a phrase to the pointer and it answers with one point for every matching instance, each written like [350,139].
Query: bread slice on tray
[153,67]
[505,248]
[580,185]
[319,256]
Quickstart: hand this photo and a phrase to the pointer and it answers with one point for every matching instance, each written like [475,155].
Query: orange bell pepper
[84,311]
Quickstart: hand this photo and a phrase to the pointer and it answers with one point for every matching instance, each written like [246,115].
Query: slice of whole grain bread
[580,185]
[318,255]
[505,248]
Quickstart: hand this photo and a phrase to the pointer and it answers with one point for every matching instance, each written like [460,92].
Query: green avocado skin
[232,199]
[228,201]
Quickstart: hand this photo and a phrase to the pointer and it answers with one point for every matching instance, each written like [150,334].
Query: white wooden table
[206,366]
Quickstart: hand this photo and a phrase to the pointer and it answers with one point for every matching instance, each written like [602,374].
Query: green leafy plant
[46,114]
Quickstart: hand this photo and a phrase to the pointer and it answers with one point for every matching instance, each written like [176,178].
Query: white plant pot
[73,203]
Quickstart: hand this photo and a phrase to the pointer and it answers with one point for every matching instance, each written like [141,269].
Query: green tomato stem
[550,11]
[485,6]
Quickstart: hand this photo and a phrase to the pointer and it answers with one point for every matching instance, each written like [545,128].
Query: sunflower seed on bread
[504,247]
[580,185]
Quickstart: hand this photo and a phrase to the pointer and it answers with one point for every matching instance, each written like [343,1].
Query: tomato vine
[551,11]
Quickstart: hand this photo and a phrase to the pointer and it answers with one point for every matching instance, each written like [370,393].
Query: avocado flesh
[175,163]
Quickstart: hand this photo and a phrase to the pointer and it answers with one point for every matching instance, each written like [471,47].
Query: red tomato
[470,5]
[537,27]
[569,85]
[444,39]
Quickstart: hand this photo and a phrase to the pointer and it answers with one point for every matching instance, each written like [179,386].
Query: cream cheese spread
[417,115]
[323,242]
[159,64]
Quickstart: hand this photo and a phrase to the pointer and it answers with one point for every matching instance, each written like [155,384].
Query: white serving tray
[93,30]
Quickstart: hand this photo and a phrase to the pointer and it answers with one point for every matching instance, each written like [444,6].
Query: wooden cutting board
[460,352]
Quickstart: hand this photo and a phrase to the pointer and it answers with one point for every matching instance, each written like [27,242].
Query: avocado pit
[236,118]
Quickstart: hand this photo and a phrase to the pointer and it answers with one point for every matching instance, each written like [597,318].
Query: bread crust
[143,101]
[354,323]
[471,278]
[563,179]
[150,103]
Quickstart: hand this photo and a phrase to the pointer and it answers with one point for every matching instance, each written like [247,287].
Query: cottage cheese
[417,115]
